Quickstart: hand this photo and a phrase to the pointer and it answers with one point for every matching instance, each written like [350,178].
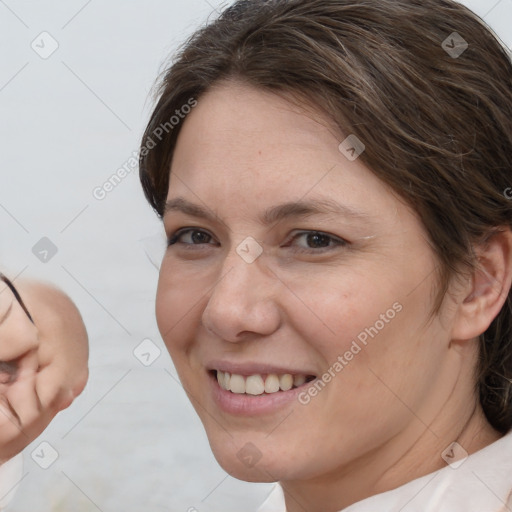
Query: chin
[251,461]
[256,472]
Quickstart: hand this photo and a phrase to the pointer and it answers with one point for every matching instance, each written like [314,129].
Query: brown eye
[315,241]
[318,240]
[198,237]
[191,237]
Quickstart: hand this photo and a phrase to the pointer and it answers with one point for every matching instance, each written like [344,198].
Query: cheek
[341,310]
[364,328]
[181,297]
[174,308]
[177,322]
[375,344]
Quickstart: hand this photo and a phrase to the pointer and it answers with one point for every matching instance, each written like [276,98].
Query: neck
[411,454]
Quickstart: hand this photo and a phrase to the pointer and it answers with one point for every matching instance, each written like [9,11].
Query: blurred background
[75,93]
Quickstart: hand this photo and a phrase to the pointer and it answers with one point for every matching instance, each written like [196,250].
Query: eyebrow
[292,209]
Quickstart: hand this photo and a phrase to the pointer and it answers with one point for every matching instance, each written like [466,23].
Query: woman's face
[289,261]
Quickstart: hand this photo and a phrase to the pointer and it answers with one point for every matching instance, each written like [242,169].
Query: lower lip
[251,405]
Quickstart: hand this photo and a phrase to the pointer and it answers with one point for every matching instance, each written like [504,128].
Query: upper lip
[254,368]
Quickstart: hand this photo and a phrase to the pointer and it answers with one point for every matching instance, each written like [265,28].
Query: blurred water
[132,441]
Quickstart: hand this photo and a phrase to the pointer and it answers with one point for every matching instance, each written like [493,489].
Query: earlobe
[488,288]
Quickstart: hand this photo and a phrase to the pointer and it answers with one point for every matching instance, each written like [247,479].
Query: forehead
[250,149]
[243,129]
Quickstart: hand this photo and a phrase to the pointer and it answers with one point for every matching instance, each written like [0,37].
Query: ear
[488,287]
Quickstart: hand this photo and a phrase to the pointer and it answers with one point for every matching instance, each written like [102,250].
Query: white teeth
[237,384]
[272,383]
[227,380]
[257,384]
[286,382]
[298,380]
[254,385]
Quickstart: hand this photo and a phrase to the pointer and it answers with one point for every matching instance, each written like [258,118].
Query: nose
[243,302]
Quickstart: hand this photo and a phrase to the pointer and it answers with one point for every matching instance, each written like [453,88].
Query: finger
[12,437]
[62,378]
[9,370]
[15,436]
[63,348]
[22,415]
[28,362]
[55,388]
[24,400]
[9,420]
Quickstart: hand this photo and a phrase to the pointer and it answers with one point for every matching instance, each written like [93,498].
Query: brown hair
[437,125]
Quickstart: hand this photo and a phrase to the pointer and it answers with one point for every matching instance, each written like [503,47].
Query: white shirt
[481,483]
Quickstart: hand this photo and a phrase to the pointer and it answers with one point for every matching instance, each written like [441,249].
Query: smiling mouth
[258,384]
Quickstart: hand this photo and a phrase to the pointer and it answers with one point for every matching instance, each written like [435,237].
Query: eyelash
[333,240]
[174,239]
